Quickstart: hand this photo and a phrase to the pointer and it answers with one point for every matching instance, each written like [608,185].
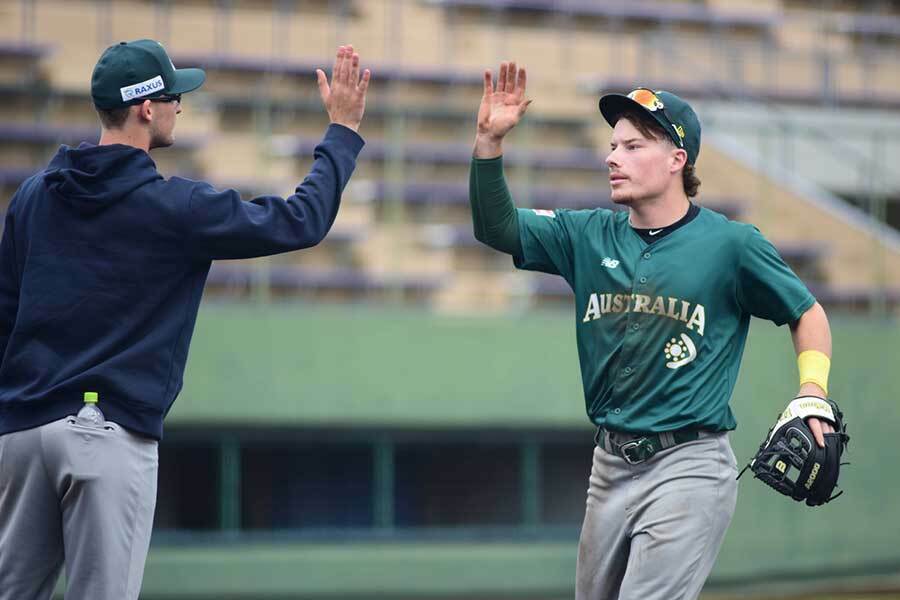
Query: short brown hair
[649,128]
[113,118]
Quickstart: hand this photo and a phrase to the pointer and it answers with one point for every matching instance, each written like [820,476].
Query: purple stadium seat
[451,153]
[385,71]
[641,10]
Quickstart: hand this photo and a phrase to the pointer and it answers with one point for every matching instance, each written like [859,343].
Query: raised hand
[500,109]
[345,98]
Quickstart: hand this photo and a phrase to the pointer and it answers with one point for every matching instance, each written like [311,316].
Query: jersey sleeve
[766,287]
[546,237]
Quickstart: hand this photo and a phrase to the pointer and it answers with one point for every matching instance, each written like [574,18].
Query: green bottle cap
[90,397]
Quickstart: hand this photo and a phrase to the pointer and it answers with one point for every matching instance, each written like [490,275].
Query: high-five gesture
[345,98]
[500,109]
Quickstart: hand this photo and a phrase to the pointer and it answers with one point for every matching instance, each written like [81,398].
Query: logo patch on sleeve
[544,213]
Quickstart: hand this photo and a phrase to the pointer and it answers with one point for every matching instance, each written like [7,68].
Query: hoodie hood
[89,178]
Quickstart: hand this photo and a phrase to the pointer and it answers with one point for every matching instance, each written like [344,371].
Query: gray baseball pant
[652,531]
[77,495]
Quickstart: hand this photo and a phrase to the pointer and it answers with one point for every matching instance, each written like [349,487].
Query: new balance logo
[609,263]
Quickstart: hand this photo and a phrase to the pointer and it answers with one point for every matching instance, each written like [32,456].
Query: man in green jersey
[664,292]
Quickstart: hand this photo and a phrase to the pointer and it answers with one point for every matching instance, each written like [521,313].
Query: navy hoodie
[102,267]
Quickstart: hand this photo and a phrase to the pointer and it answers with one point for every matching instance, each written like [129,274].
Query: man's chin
[622,199]
[162,143]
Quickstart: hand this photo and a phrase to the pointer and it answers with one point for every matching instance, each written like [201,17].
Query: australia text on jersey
[600,304]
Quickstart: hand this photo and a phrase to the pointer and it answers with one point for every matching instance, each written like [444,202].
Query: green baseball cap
[131,72]
[675,115]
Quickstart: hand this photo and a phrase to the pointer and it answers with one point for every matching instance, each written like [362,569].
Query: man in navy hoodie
[102,266]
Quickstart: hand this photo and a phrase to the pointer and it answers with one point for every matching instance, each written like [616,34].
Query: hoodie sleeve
[9,280]
[222,226]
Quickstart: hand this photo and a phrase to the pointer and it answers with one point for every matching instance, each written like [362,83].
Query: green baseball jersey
[661,327]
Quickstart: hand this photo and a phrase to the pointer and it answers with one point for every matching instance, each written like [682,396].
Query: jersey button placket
[637,287]
[631,342]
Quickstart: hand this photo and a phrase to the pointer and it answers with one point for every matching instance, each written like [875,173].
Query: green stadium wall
[309,366]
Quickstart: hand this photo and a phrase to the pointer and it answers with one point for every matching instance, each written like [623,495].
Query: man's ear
[678,159]
[145,111]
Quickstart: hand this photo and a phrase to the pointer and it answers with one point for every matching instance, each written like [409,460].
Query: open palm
[345,98]
[502,108]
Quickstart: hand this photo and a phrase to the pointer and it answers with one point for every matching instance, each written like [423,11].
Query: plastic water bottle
[90,415]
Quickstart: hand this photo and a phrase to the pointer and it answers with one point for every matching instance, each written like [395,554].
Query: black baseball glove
[791,462]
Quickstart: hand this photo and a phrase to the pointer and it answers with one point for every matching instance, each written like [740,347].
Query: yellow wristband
[814,366]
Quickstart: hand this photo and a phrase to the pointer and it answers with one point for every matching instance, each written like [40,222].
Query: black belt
[636,448]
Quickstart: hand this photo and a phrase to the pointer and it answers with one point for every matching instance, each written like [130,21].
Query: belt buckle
[636,445]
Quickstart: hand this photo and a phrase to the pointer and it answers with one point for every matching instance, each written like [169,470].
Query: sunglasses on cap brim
[649,100]
[163,98]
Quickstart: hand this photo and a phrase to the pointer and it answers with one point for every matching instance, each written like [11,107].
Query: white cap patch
[144,88]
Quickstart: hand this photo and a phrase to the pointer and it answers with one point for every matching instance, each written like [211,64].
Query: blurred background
[397,413]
